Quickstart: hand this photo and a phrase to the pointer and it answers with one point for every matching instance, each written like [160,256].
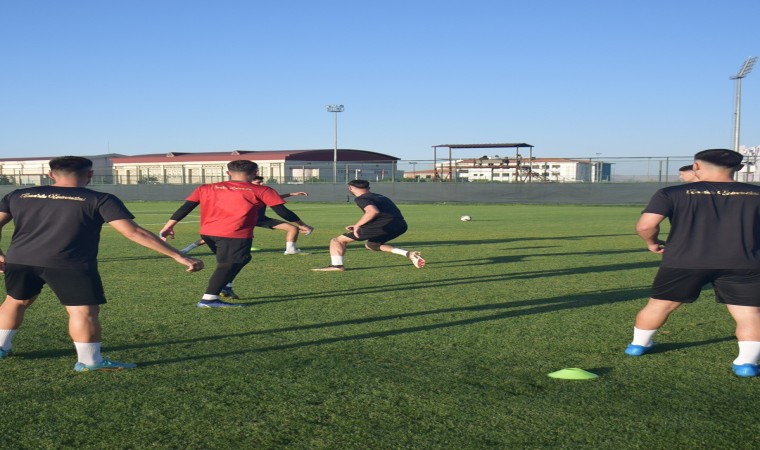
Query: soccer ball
[465,218]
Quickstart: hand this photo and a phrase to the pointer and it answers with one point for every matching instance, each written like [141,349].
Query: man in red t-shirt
[229,212]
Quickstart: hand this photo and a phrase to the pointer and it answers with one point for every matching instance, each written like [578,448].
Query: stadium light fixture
[743,72]
[335,109]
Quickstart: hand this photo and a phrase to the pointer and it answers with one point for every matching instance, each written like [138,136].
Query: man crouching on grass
[381,222]
[55,242]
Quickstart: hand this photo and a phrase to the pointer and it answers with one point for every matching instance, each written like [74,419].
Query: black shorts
[268,222]
[379,234]
[739,287]
[73,287]
[230,250]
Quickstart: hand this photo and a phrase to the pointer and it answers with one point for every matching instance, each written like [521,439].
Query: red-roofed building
[276,166]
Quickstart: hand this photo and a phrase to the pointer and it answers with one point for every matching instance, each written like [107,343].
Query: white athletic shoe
[416,259]
[330,269]
[297,251]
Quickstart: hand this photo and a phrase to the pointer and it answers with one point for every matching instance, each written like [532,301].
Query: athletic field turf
[384,355]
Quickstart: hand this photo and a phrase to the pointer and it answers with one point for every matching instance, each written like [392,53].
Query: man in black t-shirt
[381,222]
[55,242]
[714,238]
[686,174]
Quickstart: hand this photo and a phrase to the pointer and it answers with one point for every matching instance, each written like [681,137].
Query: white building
[748,174]
[33,171]
[521,170]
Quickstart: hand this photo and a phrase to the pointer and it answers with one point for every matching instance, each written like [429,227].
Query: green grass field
[386,356]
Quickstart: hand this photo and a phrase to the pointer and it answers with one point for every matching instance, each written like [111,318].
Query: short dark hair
[258,178]
[688,168]
[721,157]
[361,184]
[242,165]
[75,165]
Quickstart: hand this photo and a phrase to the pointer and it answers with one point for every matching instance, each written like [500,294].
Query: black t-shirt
[712,225]
[59,226]
[389,212]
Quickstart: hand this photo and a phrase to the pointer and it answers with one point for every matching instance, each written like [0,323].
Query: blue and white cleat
[105,364]
[746,370]
[217,304]
[637,350]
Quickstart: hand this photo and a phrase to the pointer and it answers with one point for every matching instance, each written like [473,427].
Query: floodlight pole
[335,109]
[743,72]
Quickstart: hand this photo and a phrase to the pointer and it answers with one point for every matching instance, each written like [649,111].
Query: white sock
[189,248]
[229,285]
[88,352]
[6,336]
[749,352]
[210,297]
[400,251]
[642,337]
[290,246]
[336,260]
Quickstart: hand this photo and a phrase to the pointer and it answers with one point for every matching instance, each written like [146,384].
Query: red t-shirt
[231,208]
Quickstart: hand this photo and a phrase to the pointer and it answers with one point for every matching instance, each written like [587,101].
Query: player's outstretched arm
[168,229]
[290,216]
[134,232]
[294,194]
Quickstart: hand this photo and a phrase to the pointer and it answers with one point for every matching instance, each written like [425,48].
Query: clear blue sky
[572,78]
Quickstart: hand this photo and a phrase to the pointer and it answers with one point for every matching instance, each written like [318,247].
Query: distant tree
[5,180]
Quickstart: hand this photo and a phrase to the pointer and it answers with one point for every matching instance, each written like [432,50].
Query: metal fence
[638,169]
[422,192]
[603,170]
[297,172]
[653,169]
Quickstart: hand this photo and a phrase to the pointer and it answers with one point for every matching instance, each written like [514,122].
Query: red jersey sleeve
[195,196]
[270,197]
